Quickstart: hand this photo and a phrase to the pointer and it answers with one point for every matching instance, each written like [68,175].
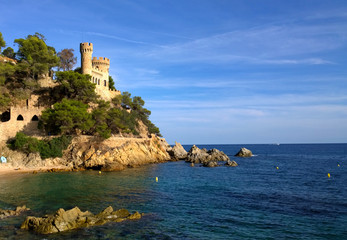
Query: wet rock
[244,152]
[7,213]
[74,218]
[231,163]
[204,156]
[178,152]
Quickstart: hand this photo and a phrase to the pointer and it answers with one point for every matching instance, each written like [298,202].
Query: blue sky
[216,71]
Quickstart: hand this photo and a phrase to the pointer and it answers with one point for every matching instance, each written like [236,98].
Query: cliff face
[86,152]
[115,153]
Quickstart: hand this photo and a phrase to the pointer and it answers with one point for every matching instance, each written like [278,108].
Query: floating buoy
[156,179]
[277,168]
[338,165]
[99,172]
[328,175]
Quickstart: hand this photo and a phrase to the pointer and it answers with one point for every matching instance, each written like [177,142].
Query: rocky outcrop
[8,213]
[116,154]
[74,218]
[178,152]
[87,152]
[244,152]
[208,158]
[230,163]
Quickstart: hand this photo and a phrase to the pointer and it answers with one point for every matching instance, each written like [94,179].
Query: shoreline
[9,170]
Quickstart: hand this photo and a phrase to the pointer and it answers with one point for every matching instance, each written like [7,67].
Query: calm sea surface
[252,201]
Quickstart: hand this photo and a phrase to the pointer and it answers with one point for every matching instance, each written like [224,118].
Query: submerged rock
[244,152]
[8,213]
[74,218]
[178,152]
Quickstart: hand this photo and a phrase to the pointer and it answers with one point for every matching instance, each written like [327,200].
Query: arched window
[20,118]
[105,83]
[5,116]
[98,81]
[35,118]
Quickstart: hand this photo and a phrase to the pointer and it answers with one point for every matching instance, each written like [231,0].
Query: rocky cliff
[87,152]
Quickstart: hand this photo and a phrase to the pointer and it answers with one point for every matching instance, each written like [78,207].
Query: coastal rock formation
[8,213]
[115,154]
[87,152]
[208,158]
[244,152]
[178,152]
[231,163]
[74,218]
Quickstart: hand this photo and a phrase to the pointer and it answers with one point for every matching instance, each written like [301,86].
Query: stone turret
[86,50]
[102,64]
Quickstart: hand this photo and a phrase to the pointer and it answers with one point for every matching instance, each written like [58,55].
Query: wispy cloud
[278,44]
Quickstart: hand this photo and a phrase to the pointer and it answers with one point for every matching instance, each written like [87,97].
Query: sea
[283,192]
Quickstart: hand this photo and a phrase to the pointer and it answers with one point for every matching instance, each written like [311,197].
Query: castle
[25,115]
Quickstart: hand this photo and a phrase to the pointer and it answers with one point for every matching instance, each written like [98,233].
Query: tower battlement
[86,47]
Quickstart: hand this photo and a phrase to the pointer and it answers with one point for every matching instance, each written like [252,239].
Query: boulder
[74,218]
[178,152]
[231,163]
[204,156]
[8,213]
[244,152]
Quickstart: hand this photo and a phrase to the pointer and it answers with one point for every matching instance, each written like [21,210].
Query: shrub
[47,148]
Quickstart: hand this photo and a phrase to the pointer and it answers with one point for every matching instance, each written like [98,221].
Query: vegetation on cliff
[48,148]
[73,107]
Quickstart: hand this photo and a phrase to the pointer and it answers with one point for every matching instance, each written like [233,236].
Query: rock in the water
[178,152]
[8,213]
[204,156]
[244,152]
[74,218]
[210,164]
[231,163]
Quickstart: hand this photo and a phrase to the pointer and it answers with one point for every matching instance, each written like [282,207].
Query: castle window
[20,118]
[98,81]
[5,116]
[35,118]
[105,84]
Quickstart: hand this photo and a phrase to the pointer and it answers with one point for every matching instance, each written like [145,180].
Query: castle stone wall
[23,117]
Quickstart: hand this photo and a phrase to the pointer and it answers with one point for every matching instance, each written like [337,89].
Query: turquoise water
[252,201]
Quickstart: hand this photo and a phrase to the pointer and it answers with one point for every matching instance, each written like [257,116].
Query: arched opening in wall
[105,84]
[20,118]
[5,116]
[98,81]
[35,118]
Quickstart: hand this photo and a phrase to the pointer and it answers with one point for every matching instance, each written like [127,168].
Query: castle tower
[102,64]
[86,50]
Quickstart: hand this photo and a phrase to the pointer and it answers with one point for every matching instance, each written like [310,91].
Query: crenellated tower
[86,50]
[102,64]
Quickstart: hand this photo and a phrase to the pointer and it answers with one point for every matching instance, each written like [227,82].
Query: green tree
[74,85]
[2,42]
[67,59]
[111,83]
[126,100]
[9,52]
[100,116]
[36,55]
[67,117]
